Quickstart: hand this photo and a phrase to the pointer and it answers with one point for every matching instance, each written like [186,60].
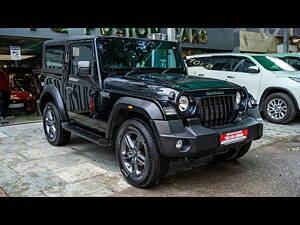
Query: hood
[284,73]
[158,84]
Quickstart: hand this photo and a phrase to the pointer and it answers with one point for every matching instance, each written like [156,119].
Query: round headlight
[183,103]
[238,98]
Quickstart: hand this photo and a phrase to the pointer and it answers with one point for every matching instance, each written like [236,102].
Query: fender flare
[149,109]
[54,93]
[269,89]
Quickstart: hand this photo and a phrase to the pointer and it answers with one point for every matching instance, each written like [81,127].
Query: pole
[285,40]
[171,34]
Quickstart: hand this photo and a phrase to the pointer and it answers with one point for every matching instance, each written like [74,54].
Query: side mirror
[253,69]
[84,68]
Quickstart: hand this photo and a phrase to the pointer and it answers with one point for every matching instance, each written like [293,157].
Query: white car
[272,82]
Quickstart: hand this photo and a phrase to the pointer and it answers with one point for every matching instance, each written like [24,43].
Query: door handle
[201,75]
[230,77]
[69,89]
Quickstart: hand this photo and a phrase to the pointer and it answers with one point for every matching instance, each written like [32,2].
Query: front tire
[138,155]
[235,153]
[54,132]
[279,108]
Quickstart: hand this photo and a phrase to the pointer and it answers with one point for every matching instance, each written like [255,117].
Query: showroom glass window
[54,58]
[118,54]
[80,52]
[273,64]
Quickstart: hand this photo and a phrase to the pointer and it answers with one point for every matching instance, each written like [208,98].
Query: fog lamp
[179,144]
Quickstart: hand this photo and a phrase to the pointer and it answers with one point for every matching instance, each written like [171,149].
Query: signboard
[257,42]
[15,52]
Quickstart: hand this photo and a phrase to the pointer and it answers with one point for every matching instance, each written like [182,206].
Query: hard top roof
[90,37]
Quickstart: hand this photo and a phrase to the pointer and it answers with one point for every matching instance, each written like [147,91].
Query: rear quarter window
[54,57]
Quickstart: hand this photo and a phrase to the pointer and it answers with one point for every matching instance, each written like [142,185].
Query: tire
[54,132]
[138,154]
[287,108]
[235,153]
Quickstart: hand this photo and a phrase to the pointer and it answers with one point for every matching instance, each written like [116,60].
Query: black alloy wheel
[138,154]
[54,132]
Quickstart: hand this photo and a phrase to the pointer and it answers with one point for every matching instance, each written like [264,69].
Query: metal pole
[171,34]
[285,40]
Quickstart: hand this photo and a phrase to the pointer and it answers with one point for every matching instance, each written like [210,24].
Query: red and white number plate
[233,137]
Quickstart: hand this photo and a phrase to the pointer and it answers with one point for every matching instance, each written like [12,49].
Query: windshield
[118,54]
[273,64]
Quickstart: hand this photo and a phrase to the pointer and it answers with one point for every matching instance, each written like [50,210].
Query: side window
[200,61]
[220,63]
[54,57]
[293,61]
[80,52]
[242,65]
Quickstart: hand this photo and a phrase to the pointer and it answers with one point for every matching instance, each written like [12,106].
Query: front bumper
[201,141]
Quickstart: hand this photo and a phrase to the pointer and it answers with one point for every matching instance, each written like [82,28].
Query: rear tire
[235,153]
[279,108]
[138,154]
[54,132]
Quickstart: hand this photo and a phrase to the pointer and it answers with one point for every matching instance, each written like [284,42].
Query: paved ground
[29,166]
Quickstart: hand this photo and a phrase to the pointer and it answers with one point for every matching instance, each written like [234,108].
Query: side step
[97,139]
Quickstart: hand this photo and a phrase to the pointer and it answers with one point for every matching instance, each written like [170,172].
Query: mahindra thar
[136,96]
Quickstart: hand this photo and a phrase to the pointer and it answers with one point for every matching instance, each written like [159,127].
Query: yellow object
[130,107]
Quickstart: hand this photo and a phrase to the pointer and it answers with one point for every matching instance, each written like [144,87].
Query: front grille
[217,110]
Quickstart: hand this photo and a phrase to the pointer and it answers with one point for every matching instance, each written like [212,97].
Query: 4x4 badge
[104,94]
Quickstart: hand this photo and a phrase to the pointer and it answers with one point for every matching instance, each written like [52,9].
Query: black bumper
[200,141]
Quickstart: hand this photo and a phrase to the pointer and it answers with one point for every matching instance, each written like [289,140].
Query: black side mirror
[84,68]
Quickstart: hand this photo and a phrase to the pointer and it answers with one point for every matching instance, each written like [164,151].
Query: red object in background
[92,105]
[233,136]
[4,82]
[24,96]
[20,95]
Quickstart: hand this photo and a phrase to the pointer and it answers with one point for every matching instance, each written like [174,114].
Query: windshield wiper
[132,71]
[167,70]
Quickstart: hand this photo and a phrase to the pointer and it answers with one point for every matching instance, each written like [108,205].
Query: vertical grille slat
[216,110]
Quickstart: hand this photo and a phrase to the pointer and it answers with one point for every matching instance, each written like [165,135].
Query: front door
[81,90]
[241,74]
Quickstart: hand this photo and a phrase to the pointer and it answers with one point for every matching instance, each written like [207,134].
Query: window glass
[117,54]
[200,61]
[80,52]
[273,64]
[293,61]
[54,57]
[242,65]
[220,63]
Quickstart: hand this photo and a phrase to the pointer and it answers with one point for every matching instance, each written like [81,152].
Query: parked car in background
[292,59]
[22,100]
[272,82]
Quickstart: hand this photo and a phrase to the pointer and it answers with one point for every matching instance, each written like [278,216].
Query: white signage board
[15,52]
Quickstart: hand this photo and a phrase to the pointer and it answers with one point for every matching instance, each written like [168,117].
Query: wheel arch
[272,90]
[51,93]
[138,108]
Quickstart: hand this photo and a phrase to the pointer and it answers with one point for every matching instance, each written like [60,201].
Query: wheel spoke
[141,159]
[137,144]
[127,155]
[129,142]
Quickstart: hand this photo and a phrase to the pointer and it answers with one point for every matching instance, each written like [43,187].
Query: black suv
[135,94]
